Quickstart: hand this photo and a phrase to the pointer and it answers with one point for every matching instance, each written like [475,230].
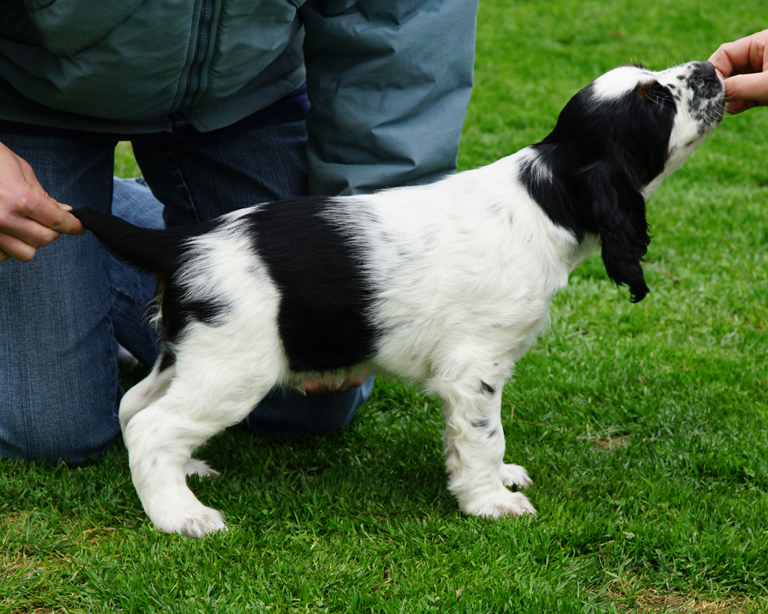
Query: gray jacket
[389,81]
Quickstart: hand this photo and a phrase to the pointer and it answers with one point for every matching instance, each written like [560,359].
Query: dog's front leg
[474,445]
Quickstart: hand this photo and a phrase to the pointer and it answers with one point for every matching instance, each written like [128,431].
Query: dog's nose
[708,72]
[704,79]
[704,73]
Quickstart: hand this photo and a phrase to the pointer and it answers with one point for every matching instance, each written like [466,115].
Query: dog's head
[614,142]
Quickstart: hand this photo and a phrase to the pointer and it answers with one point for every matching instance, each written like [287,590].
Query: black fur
[167,359]
[324,318]
[487,388]
[178,310]
[160,252]
[152,250]
[594,165]
[325,305]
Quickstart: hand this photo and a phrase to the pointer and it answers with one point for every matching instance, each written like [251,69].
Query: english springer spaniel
[446,285]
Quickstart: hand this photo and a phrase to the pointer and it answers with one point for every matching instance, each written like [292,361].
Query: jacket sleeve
[389,82]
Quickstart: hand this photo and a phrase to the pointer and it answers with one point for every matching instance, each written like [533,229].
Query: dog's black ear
[619,215]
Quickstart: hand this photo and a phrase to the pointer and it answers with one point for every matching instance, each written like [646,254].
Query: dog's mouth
[707,104]
[710,114]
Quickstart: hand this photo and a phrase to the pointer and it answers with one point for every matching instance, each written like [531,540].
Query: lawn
[644,427]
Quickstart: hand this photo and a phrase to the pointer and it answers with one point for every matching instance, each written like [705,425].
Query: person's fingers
[34,220]
[734,108]
[747,87]
[722,61]
[48,213]
[21,190]
[746,55]
[34,223]
[16,248]
[32,233]
[57,218]
[29,217]
[34,203]
[752,89]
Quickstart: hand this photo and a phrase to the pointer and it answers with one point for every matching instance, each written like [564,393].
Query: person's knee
[58,401]
[73,442]
[57,426]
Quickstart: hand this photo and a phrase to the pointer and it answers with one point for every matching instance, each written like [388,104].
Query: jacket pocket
[67,26]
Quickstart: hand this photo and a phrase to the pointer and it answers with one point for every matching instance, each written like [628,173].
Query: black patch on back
[325,297]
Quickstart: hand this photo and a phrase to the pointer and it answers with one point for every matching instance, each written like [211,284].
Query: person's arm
[744,65]
[389,83]
[29,218]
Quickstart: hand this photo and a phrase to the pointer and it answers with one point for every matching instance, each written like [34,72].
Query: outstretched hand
[29,217]
[744,66]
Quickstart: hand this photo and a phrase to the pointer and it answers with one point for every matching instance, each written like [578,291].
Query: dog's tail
[152,250]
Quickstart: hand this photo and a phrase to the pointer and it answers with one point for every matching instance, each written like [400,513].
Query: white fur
[464,272]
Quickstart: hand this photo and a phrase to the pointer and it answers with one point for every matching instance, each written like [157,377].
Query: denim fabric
[132,201]
[61,313]
[58,373]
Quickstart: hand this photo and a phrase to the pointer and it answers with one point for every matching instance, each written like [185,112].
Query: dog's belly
[331,380]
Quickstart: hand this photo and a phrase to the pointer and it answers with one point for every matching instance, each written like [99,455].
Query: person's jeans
[61,313]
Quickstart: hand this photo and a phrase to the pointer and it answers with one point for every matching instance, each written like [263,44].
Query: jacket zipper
[193,81]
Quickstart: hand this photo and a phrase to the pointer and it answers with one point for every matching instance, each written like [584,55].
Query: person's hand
[29,217]
[744,66]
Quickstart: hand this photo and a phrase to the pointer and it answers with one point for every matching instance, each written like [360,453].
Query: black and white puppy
[446,285]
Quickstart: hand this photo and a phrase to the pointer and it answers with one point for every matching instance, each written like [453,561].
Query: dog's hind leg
[147,391]
[200,401]
[474,445]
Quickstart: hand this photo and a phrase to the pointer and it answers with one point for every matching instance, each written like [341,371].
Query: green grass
[644,427]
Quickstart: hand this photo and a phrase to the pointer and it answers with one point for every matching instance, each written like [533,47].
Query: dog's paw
[193,521]
[201,468]
[514,475]
[501,503]
[200,525]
